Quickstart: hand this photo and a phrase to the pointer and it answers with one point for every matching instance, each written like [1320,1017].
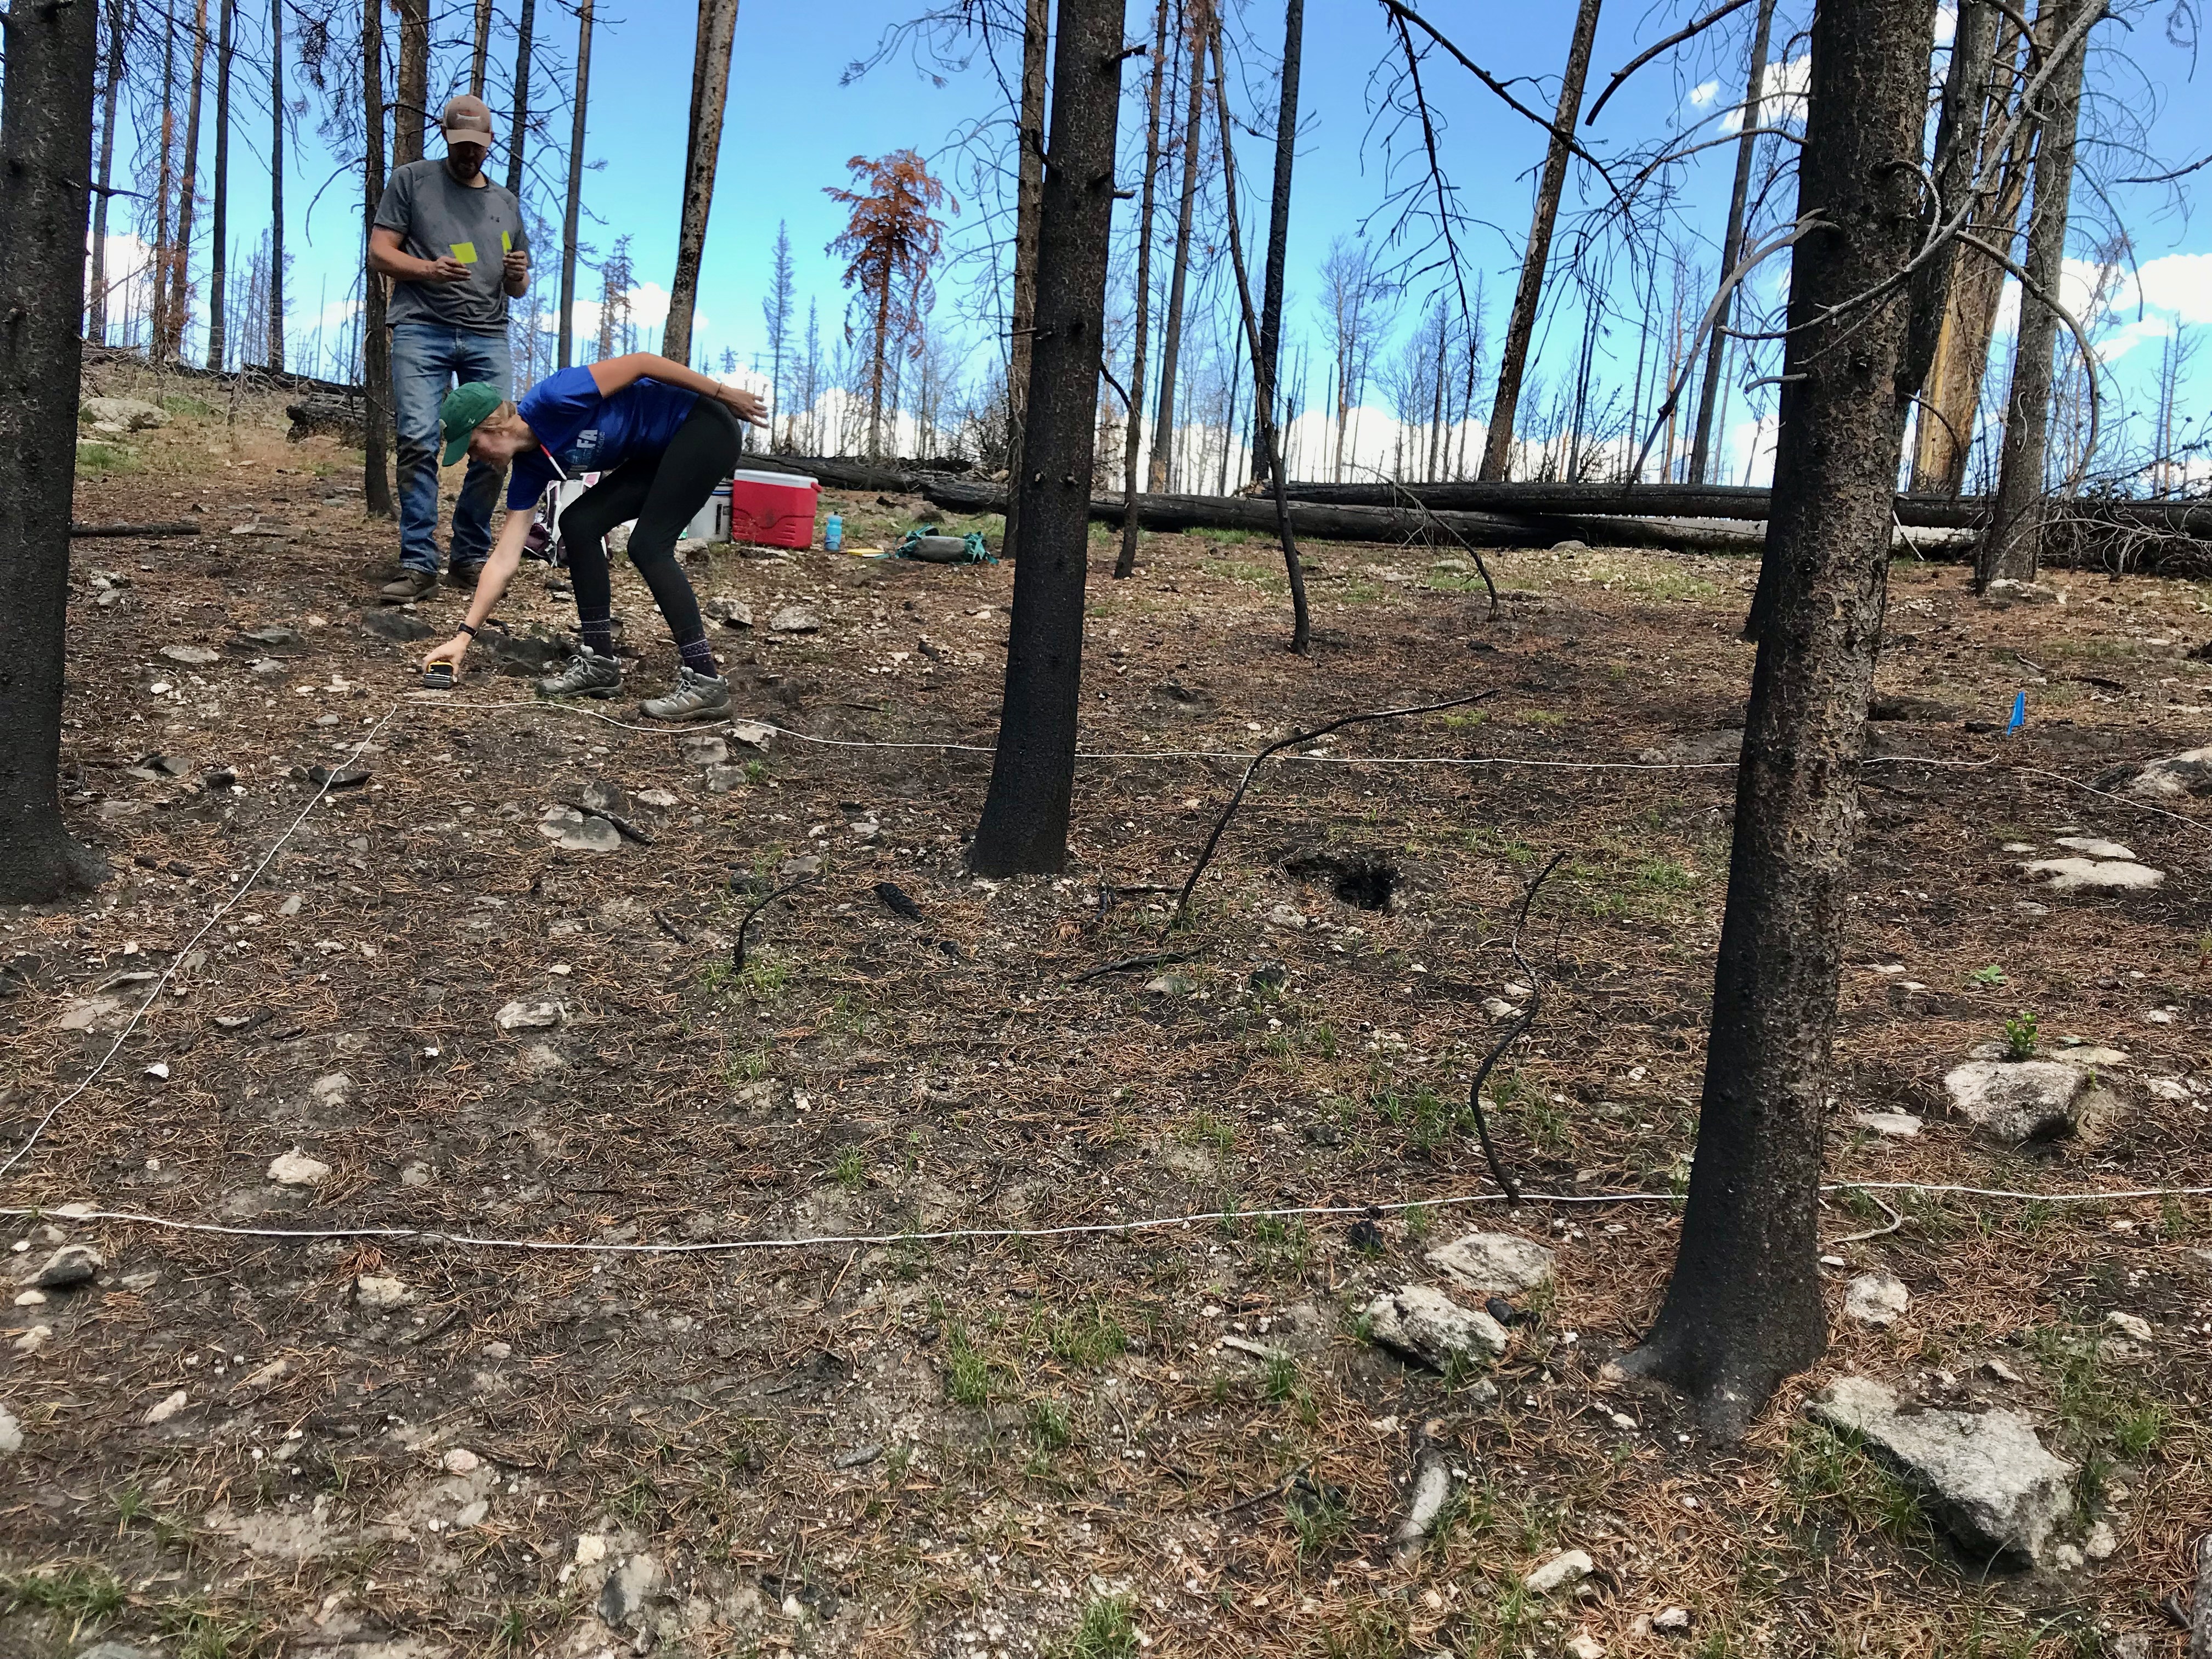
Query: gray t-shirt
[436,217]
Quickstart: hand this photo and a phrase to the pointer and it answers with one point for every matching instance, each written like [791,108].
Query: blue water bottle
[833,534]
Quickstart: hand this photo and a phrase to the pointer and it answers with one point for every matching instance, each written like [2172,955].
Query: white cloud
[1704,92]
[2177,282]
[648,309]
[337,315]
[2077,292]
[1781,95]
[1947,24]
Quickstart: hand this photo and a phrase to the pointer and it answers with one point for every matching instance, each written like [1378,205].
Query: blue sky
[793,122]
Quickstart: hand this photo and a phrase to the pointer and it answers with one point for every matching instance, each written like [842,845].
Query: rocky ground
[487,990]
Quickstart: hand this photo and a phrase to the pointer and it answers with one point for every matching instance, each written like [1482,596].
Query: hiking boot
[696,696]
[412,585]
[465,576]
[587,675]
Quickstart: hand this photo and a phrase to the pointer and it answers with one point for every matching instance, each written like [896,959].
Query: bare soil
[344,1447]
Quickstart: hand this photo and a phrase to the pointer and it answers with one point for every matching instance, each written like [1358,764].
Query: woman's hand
[748,405]
[451,651]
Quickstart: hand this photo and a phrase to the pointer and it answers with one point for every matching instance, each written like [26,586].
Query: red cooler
[773,509]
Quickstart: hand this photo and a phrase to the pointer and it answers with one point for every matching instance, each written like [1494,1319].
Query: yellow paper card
[465,252]
[505,242]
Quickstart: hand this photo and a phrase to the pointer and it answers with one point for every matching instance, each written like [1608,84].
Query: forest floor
[1173,1441]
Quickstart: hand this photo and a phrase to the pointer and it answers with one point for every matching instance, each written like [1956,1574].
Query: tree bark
[411,114]
[1132,441]
[180,270]
[518,130]
[575,179]
[481,48]
[118,30]
[375,341]
[1267,364]
[1747,148]
[1162,471]
[1029,198]
[1301,618]
[2200,1602]
[1958,154]
[276,183]
[1528,294]
[710,94]
[157,300]
[1943,440]
[1025,822]
[1743,1309]
[219,272]
[2014,546]
[45,161]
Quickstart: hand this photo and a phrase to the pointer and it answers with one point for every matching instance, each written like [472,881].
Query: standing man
[452,242]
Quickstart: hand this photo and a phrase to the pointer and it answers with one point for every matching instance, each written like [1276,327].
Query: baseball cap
[466,120]
[462,413]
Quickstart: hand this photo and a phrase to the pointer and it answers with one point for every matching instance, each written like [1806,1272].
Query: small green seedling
[2019,1036]
[1991,975]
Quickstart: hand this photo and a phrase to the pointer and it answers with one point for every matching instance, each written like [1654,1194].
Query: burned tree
[1732,241]
[1024,823]
[1125,563]
[889,245]
[45,164]
[710,92]
[376,413]
[1161,470]
[570,218]
[1743,1309]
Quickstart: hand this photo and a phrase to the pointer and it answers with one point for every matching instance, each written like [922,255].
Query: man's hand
[514,269]
[748,405]
[452,651]
[446,268]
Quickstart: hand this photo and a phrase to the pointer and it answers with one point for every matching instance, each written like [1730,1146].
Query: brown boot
[412,585]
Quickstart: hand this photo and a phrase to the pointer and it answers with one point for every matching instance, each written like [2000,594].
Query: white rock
[578,832]
[591,1549]
[721,779]
[728,609]
[530,1016]
[623,1596]
[753,734]
[702,748]
[2000,590]
[2094,875]
[67,1267]
[11,1433]
[192,656]
[332,1092]
[2167,1088]
[2021,1101]
[470,1513]
[659,799]
[2100,1542]
[380,1295]
[1583,1645]
[130,414]
[1567,1568]
[1877,1299]
[1432,1487]
[1421,1322]
[1499,1008]
[1669,1620]
[2168,779]
[795,619]
[167,1408]
[296,1168]
[1985,1476]
[2000,1370]
[1495,1264]
[2089,847]
[460,1461]
[2132,1327]
[158,1071]
[1899,1126]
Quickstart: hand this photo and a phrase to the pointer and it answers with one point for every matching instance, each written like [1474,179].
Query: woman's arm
[612,374]
[498,571]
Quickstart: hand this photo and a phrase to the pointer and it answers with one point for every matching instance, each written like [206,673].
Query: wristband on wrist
[468,630]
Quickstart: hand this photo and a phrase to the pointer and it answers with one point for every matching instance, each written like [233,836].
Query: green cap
[462,413]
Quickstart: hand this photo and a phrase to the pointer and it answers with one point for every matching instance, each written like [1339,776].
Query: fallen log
[1672,500]
[93,532]
[321,415]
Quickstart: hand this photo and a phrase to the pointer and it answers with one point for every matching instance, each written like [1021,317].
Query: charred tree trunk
[411,113]
[1132,440]
[46,161]
[157,302]
[1024,823]
[118,30]
[1953,386]
[1958,152]
[1266,366]
[1029,201]
[180,271]
[276,183]
[710,94]
[1746,148]
[1528,294]
[525,43]
[481,48]
[219,270]
[575,180]
[1301,618]
[375,341]
[1743,1309]
[1162,469]
[2013,545]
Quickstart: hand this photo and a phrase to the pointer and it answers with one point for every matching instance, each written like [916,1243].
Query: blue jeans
[427,360]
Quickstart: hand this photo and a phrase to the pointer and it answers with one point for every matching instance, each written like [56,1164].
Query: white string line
[177,960]
[1232,755]
[954,1235]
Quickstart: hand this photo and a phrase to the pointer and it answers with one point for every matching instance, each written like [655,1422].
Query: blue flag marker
[2019,712]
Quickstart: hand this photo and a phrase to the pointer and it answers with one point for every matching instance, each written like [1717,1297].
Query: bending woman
[661,437]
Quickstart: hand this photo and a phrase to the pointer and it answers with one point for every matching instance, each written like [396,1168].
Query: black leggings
[663,493]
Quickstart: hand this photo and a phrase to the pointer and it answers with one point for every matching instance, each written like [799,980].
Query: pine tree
[776,312]
[889,245]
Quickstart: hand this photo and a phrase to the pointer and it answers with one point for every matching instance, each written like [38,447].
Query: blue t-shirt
[586,432]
